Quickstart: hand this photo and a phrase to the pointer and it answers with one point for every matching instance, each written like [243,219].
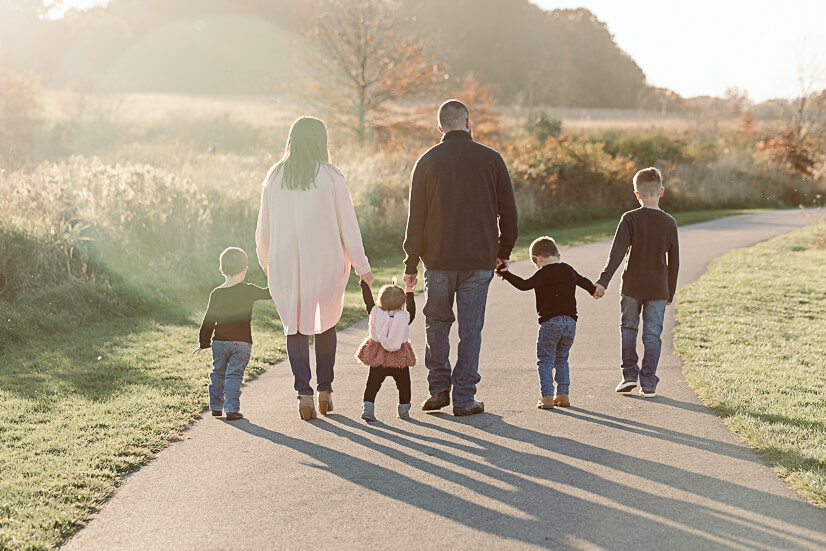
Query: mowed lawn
[752,332]
[80,409]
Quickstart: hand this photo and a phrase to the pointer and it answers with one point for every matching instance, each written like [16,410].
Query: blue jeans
[298,352]
[653,312]
[229,360]
[470,291]
[553,345]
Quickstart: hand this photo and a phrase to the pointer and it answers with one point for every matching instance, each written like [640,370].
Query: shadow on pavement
[521,493]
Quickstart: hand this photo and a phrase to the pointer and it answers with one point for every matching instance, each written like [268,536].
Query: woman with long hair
[307,238]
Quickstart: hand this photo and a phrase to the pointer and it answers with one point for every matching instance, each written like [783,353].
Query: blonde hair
[391,297]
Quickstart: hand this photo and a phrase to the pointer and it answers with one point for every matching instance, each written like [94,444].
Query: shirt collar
[457,135]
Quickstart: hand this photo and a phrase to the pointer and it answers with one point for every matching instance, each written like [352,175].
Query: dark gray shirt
[649,238]
[462,209]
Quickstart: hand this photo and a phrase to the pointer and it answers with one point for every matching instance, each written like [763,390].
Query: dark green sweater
[649,238]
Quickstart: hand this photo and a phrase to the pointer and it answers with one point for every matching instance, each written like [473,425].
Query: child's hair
[233,261]
[648,181]
[391,297]
[545,247]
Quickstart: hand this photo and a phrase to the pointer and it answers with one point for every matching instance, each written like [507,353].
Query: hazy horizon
[704,54]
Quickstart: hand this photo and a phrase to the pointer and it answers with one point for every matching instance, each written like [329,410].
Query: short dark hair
[452,115]
[648,181]
[233,261]
[545,247]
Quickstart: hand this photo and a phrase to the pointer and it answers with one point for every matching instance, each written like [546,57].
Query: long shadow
[712,521]
[653,431]
[540,503]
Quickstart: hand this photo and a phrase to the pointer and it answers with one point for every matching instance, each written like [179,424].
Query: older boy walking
[648,282]
[462,224]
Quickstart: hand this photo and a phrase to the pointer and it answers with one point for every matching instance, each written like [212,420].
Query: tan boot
[325,401]
[306,407]
[545,402]
[561,400]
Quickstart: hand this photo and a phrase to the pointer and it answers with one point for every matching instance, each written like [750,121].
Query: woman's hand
[367,278]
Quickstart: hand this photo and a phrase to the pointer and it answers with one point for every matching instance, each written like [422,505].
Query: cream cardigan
[306,241]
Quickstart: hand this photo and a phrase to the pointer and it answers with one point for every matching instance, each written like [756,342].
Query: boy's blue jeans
[469,288]
[229,361]
[653,312]
[553,345]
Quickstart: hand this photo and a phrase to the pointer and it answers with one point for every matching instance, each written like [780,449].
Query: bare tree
[368,57]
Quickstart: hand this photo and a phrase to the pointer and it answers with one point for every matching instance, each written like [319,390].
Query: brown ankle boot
[545,402]
[325,401]
[306,407]
[561,400]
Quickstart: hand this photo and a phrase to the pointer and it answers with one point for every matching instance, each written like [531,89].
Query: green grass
[81,408]
[753,336]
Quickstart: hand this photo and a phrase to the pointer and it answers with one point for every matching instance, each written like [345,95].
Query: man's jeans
[298,352]
[553,345]
[470,290]
[229,360]
[653,312]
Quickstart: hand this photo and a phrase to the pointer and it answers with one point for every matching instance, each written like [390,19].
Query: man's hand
[197,351]
[367,278]
[410,280]
[600,291]
[504,263]
[409,288]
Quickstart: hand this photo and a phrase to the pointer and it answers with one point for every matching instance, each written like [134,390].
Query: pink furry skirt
[372,353]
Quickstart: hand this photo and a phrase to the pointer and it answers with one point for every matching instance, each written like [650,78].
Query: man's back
[462,207]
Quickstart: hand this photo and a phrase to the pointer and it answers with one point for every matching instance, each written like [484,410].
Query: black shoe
[475,407]
[217,412]
[234,415]
[437,401]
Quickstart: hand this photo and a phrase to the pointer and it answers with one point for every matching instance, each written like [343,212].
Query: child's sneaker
[626,386]
[545,402]
[562,401]
[403,412]
[368,411]
[648,393]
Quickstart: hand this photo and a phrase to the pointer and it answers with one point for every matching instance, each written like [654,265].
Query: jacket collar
[457,135]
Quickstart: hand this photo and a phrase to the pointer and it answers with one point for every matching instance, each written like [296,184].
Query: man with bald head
[461,224]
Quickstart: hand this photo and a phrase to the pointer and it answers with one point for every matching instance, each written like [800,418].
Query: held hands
[409,282]
[599,292]
[502,264]
[409,288]
[367,278]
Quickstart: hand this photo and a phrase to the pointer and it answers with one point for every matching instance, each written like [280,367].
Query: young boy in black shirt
[555,286]
[228,314]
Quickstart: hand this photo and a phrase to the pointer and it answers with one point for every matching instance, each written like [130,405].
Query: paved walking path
[611,472]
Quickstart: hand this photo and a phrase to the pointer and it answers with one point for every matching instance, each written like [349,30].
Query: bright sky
[703,47]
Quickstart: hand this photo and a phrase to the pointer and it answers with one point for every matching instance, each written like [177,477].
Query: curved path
[611,472]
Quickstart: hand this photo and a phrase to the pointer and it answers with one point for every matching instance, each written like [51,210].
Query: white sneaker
[646,393]
[625,386]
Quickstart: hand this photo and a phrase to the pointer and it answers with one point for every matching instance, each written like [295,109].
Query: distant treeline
[522,53]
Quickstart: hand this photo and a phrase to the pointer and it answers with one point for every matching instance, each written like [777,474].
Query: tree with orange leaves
[367,58]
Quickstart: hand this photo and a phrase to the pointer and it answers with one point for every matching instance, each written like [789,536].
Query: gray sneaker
[475,407]
[403,411]
[368,411]
[437,401]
